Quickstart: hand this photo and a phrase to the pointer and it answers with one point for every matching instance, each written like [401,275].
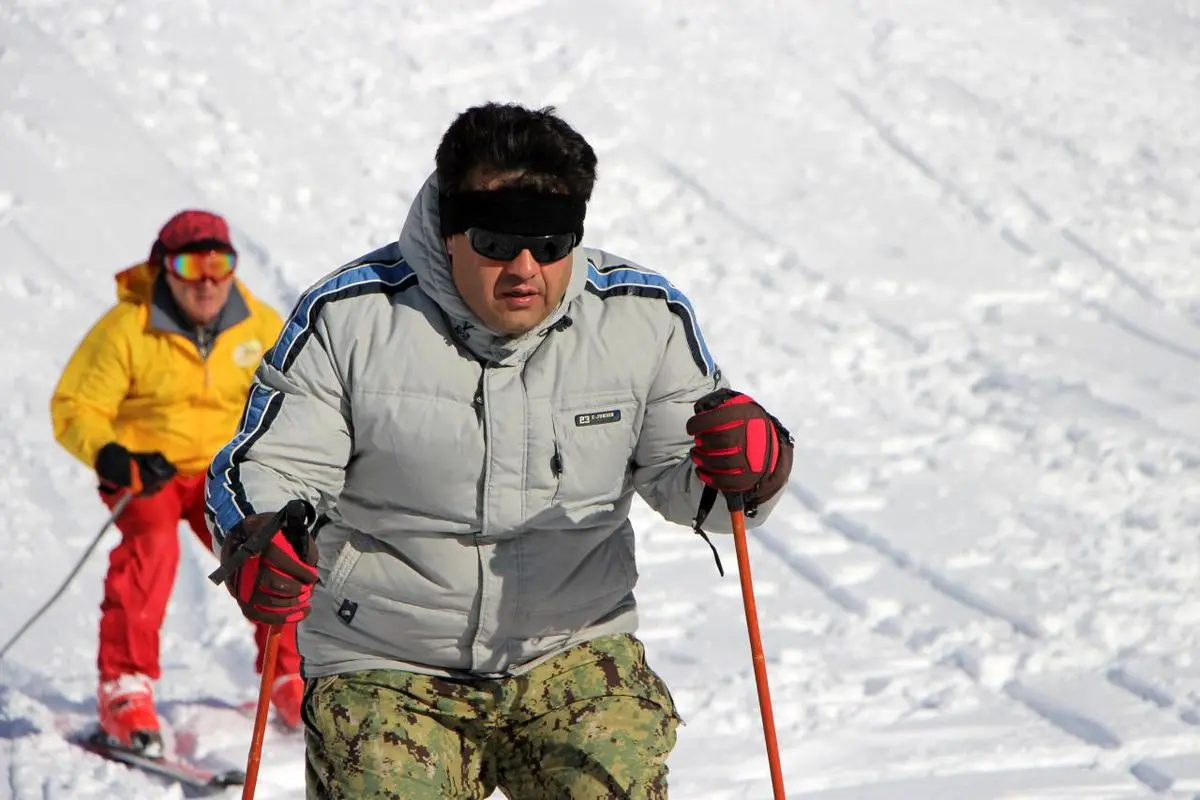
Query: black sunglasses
[507,246]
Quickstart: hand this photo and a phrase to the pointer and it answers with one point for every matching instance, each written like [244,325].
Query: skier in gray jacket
[466,415]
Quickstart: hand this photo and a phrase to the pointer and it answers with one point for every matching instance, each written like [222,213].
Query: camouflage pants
[592,723]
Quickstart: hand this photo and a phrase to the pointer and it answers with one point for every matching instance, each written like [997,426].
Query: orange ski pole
[738,519]
[296,514]
[260,714]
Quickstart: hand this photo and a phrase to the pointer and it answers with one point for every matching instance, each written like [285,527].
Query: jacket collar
[166,316]
[425,252]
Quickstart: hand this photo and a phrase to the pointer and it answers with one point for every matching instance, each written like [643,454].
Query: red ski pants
[141,572]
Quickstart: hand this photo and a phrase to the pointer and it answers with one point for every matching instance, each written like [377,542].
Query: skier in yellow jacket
[150,395]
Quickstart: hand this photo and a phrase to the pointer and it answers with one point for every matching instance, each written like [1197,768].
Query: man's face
[201,301]
[510,297]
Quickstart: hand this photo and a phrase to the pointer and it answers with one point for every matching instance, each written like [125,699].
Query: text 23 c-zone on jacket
[477,487]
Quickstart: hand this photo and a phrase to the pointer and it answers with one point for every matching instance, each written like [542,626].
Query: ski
[199,781]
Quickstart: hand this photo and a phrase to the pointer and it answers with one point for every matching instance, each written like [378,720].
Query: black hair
[540,150]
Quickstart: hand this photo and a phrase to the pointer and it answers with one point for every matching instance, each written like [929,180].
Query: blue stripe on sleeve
[225,497]
[354,280]
[638,281]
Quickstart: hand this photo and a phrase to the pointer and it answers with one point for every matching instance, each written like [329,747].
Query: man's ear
[449,246]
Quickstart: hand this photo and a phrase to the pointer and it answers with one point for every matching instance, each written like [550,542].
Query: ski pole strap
[297,513]
[708,499]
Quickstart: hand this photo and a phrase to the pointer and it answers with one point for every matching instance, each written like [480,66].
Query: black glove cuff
[113,465]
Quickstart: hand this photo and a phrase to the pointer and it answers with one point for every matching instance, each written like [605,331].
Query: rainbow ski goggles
[215,265]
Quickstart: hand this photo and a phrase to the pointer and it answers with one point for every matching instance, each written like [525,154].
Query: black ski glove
[142,474]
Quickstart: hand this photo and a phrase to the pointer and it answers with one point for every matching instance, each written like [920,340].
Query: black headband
[521,211]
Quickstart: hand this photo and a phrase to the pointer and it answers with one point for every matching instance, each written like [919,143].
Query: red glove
[275,586]
[739,447]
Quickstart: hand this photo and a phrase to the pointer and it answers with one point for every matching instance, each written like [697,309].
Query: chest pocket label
[597,418]
[593,445]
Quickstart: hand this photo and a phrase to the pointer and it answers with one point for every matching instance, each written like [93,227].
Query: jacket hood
[425,252]
[136,284]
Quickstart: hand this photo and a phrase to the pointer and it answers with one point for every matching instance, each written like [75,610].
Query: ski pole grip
[297,513]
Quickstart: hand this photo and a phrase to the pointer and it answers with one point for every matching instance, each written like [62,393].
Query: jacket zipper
[205,341]
[480,403]
[204,344]
[487,446]
[477,400]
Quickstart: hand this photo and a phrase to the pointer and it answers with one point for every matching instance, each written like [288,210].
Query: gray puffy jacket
[475,488]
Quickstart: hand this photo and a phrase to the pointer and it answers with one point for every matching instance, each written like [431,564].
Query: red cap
[191,227]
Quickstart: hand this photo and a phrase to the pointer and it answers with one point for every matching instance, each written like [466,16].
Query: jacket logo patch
[248,353]
[347,610]
[597,418]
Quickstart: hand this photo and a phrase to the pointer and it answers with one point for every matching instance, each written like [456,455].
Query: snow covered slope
[954,245]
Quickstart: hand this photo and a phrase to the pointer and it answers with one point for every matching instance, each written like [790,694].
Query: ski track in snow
[966,248]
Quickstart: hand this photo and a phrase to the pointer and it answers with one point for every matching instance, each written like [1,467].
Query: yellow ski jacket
[144,377]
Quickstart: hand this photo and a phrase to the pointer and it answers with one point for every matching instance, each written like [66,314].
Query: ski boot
[287,694]
[127,716]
